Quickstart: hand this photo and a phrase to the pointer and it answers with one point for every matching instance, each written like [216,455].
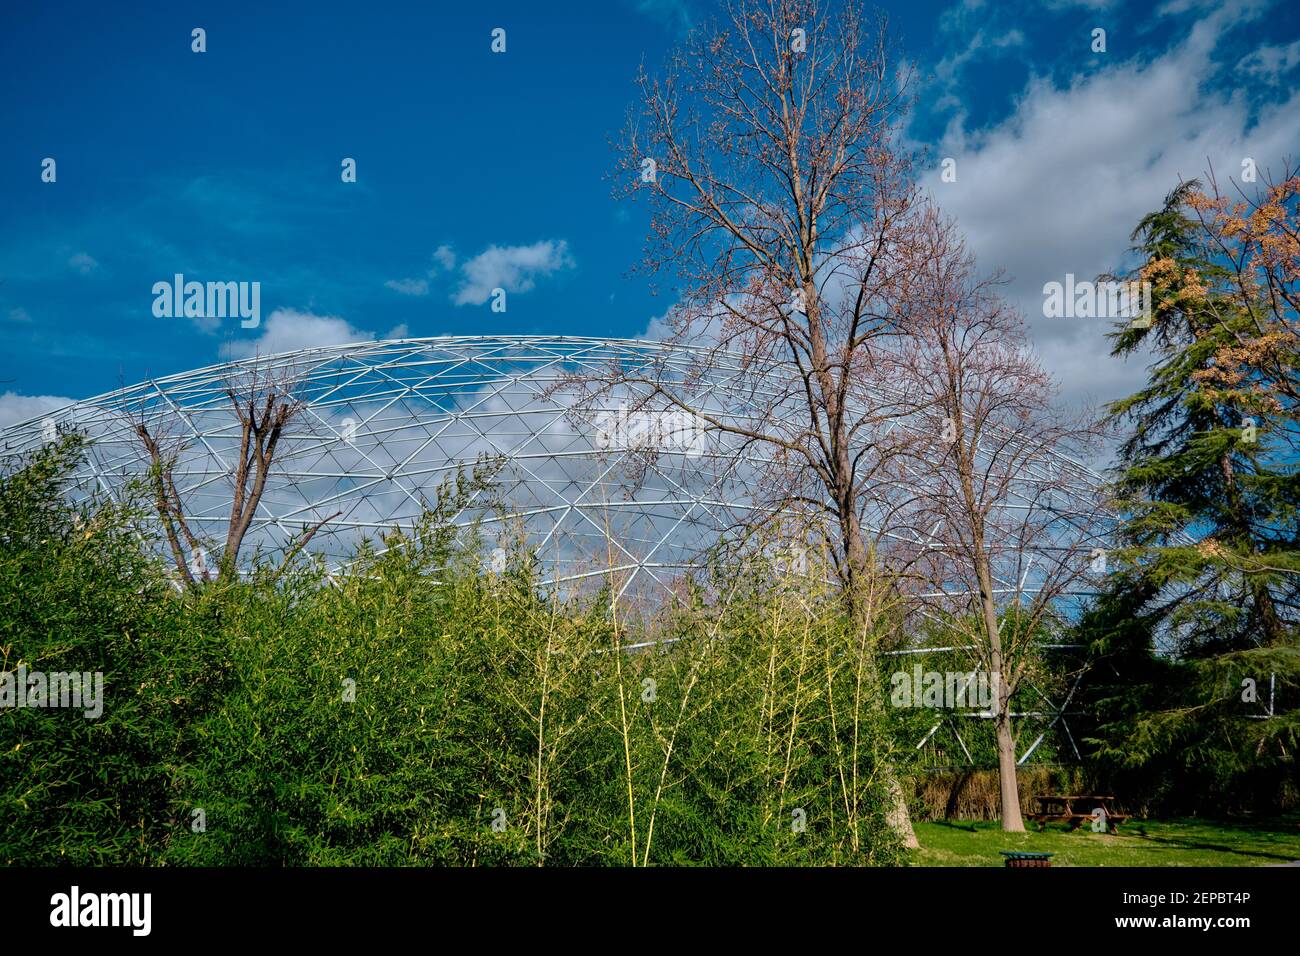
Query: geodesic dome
[384,423]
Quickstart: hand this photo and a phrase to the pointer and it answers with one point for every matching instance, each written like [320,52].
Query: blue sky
[477,169]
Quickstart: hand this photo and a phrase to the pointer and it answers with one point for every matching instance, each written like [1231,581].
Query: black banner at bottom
[939,906]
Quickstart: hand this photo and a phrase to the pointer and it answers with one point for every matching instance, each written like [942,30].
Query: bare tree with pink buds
[1001,513]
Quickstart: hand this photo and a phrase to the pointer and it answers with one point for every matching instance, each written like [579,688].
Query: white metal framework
[385,422]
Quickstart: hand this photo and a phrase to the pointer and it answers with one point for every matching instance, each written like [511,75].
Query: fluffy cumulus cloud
[287,330]
[1057,186]
[513,268]
[15,408]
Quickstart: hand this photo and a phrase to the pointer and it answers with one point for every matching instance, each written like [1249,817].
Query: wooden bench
[1059,808]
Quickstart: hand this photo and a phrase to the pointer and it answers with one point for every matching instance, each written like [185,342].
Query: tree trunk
[1008,785]
[898,816]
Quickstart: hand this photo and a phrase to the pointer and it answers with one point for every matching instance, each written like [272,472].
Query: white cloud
[983,44]
[513,268]
[83,263]
[1059,185]
[444,260]
[660,327]
[409,286]
[1271,62]
[445,257]
[15,408]
[701,332]
[19,315]
[286,330]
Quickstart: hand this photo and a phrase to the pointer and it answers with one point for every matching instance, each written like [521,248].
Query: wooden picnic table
[1061,808]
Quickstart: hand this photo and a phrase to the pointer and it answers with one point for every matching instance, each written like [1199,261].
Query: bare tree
[1001,513]
[163,450]
[263,402]
[783,209]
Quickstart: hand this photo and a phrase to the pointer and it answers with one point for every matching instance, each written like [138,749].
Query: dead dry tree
[263,400]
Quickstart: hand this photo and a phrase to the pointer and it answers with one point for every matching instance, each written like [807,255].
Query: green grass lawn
[1184,842]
